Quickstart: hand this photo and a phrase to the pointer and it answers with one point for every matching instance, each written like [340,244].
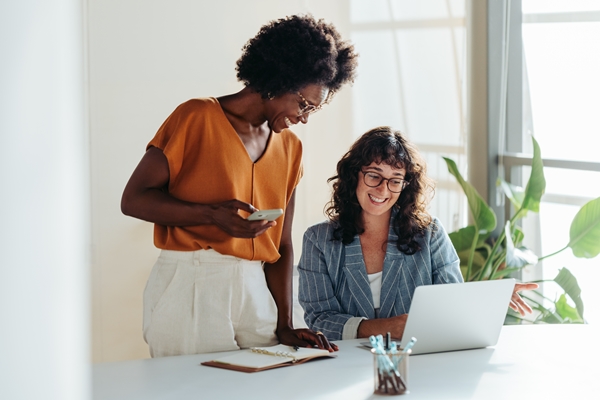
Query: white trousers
[202,301]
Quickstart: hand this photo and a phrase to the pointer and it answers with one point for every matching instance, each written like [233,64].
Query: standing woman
[223,282]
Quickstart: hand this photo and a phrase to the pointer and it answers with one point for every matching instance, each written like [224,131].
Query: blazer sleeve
[316,293]
[445,262]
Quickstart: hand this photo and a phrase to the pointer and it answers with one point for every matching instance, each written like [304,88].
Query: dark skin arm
[279,280]
[145,197]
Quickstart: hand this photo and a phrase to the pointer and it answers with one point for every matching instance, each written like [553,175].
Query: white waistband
[209,255]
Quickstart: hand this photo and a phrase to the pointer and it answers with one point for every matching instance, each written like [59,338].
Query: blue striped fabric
[334,286]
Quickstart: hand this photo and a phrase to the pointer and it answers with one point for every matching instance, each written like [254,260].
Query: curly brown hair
[382,145]
[292,52]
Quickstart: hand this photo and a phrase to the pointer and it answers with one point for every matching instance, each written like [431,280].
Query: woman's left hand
[305,338]
[516,302]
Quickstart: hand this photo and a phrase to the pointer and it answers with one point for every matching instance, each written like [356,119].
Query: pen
[410,344]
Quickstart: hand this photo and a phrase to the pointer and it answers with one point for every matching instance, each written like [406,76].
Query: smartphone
[269,215]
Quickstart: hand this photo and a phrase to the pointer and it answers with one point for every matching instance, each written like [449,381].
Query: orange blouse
[208,163]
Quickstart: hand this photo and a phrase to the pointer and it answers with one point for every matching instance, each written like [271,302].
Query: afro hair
[290,53]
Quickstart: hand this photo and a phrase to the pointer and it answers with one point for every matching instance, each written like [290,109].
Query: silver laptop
[457,316]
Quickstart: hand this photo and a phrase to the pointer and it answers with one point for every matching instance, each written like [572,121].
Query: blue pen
[405,350]
[387,370]
[410,344]
[373,341]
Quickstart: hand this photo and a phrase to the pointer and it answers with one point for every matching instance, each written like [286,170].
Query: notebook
[457,316]
[262,358]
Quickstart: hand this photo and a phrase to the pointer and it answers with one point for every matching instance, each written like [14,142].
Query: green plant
[484,257]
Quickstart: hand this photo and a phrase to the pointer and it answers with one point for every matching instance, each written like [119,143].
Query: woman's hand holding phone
[269,215]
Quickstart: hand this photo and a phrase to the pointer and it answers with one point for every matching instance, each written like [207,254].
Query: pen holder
[391,372]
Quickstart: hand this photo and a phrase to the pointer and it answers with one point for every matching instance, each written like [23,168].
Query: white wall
[44,242]
[145,58]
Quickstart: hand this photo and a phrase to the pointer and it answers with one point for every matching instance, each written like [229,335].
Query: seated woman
[358,271]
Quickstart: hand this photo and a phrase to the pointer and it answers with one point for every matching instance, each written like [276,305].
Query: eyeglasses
[308,108]
[395,185]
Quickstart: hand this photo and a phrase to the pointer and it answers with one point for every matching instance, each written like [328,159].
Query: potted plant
[484,257]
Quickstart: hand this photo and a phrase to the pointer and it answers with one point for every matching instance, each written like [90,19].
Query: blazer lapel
[358,282]
[391,275]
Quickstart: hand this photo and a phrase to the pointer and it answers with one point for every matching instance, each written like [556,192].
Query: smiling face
[284,111]
[378,201]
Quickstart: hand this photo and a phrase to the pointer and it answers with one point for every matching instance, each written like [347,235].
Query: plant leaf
[567,281]
[501,273]
[512,318]
[515,194]
[517,257]
[462,239]
[537,183]
[478,261]
[548,317]
[517,235]
[585,231]
[566,312]
[484,216]
[545,316]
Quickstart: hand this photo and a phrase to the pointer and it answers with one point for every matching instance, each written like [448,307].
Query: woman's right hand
[381,326]
[145,197]
[305,338]
[226,216]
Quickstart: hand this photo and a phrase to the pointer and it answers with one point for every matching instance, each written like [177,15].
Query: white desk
[529,362]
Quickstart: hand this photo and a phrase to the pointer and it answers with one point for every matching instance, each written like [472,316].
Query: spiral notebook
[262,358]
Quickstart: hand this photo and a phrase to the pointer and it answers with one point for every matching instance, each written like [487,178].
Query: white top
[529,362]
[375,283]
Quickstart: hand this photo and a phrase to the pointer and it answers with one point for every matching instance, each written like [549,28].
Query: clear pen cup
[391,372]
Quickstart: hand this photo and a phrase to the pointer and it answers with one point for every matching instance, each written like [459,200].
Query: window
[561,103]
[412,77]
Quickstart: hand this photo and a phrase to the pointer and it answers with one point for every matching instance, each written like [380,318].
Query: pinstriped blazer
[334,286]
